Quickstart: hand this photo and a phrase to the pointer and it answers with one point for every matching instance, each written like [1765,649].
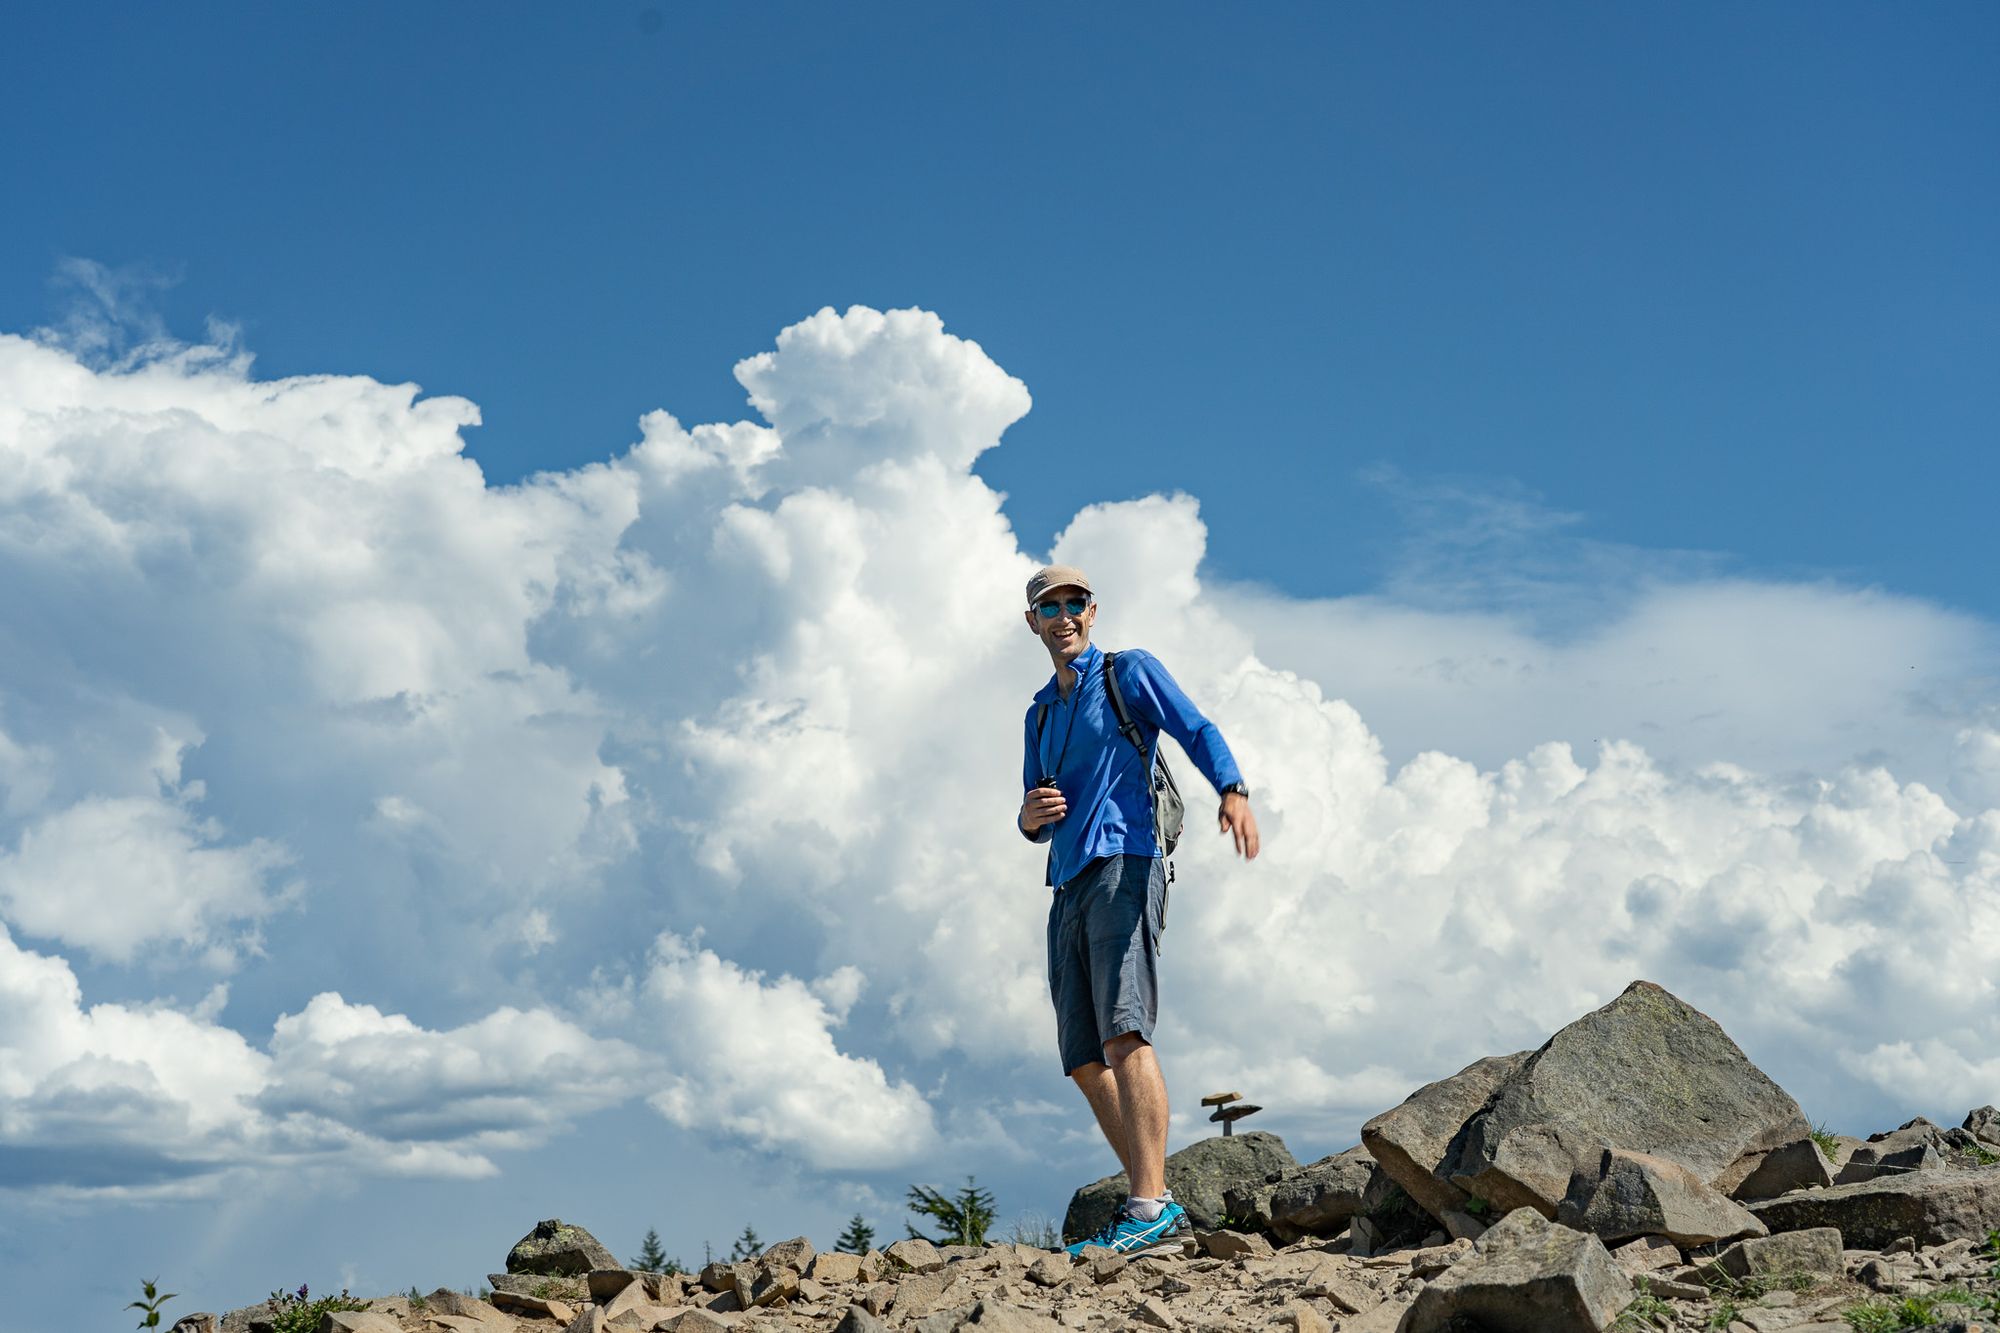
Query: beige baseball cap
[1055,576]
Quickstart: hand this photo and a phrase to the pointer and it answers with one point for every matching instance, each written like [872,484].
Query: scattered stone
[1871,1161]
[605,1283]
[358,1321]
[1635,1194]
[994,1317]
[445,1301]
[535,1307]
[773,1283]
[557,1249]
[1411,1142]
[1814,1250]
[697,1321]
[795,1254]
[1154,1311]
[916,1254]
[1051,1270]
[575,1290]
[1463,1226]
[1526,1275]
[1647,1072]
[1984,1125]
[836,1267]
[1332,1280]
[1234,1245]
[1364,1237]
[1648,1254]
[1303,1318]
[1799,1165]
[1931,1207]
[858,1320]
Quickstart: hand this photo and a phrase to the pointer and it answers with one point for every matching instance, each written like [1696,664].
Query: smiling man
[1090,795]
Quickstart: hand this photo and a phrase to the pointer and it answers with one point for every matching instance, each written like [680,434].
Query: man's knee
[1087,1074]
[1122,1046]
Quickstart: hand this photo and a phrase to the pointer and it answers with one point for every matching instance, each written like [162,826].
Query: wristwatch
[1236,789]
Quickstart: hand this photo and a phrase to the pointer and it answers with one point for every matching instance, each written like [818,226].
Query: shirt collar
[1085,663]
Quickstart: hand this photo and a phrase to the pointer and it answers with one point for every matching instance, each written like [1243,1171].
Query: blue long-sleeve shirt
[1102,776]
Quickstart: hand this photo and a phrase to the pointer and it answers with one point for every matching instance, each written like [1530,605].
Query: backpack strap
[1126,726]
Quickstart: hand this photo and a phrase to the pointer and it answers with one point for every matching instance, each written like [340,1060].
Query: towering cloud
[688,778]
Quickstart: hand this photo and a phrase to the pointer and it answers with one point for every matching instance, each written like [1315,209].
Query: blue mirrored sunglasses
[1076,606]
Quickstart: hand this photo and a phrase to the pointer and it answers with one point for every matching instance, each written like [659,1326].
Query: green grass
[1645,1311]
[1825,1140]
[1723,1315]
[1982,1156]
[1923,1311]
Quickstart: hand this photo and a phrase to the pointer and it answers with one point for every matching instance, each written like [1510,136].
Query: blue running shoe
[1128,1235]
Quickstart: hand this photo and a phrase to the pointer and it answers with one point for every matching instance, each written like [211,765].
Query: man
[1090,798]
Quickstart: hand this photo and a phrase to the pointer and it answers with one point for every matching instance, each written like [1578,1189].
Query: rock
[1799,1165]
[1302,1318]
[1410,1142]
[994,1317]
[573,1289]
[1526,1275]
[773,1283]
[1873,1160]
[194,1323]
[1814,1250]
[1153,1311]
[1321,1197]
[795,1254]
[1334,1281]
[1363,1237]
[358,1321]
[1051,1270]
[1198,1174]
[836,1267]
[1234,1245]
[1387,1317]
[535,1307]
[858,1320]
[1648,1254]
[1984,1125]
[921,1293]
[1638,1195]
[605,1283]
[590,1321]
[915,1254]
[698,1321]
[557,1249]
[718,1276]
[1646,1072]
[1933,1207]
[1463,1226]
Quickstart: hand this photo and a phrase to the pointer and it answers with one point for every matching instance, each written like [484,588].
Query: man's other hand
[1235,818]
[1043,806]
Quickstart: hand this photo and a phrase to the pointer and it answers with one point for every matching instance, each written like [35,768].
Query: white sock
[1148,1210]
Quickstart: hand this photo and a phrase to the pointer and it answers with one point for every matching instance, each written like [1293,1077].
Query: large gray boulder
[1411,1141]
[1984,1125]
[1647,1072]
[557,1249]
[1815,1250]
[1525,1275]
[1932,1206]
[1198,1175]
[1636,1195]
[1321,1197]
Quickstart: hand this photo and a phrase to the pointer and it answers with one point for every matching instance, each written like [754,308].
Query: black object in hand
[1045,782]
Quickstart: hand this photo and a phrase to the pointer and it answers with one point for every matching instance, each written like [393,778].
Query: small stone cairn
[1636,1172]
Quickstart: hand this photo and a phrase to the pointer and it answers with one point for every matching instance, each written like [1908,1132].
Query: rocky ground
[1635,1172]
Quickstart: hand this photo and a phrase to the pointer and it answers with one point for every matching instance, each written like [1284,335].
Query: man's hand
[1042,806]
[1235,818]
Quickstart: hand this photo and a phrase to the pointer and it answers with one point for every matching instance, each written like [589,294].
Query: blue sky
[1709,278]
[1554,442]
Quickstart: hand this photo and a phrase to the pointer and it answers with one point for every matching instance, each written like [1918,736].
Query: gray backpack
[1169,811]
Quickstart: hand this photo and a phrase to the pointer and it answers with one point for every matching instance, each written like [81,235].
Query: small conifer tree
[747,1246]
[653,1259]
[964,1216]
[859,1238]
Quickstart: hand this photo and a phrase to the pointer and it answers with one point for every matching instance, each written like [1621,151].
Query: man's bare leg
[1100,1089]
[1142,1106]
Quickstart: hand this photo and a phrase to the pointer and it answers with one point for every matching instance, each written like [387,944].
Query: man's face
[1066,632]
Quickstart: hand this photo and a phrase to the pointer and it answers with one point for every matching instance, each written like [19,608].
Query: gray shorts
[1104,951]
